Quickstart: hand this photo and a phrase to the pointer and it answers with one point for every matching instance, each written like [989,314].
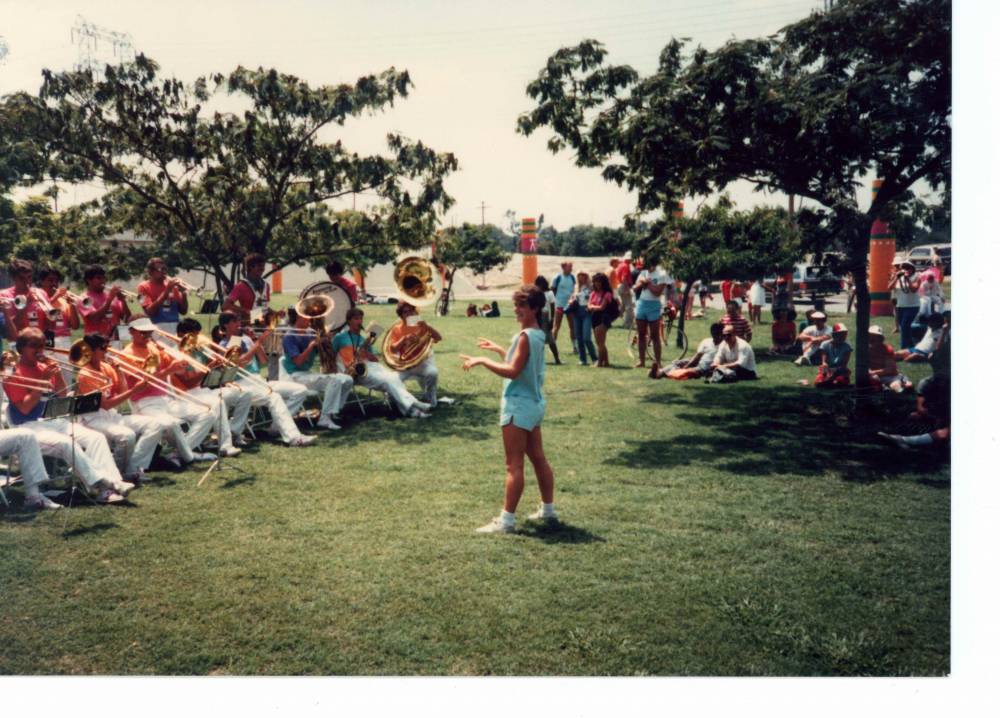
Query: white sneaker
[303,440]
[416,413]
[231,452]
[798,362]
[446,400]
[203,456]
[40,502]
[327,423]
[107,496]
[540,516]
[422,405]
[495,526]
[122,487]
[139,477]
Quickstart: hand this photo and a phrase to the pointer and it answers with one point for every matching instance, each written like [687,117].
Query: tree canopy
[861,91]
[213,186]
[469,246]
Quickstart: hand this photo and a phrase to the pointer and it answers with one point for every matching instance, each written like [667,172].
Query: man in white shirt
[812,337]
[734,359]
[700,365]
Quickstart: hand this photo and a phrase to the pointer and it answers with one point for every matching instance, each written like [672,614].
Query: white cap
[875,329]
[142,325]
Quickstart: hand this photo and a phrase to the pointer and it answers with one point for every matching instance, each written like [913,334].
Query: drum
[337,318]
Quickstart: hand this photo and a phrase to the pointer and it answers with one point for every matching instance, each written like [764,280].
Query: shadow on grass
[232,483]
[88,530]
[559,533]
[751,431]
[464,419]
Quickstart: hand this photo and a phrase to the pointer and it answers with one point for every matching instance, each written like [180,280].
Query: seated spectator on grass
[882,368]
[491,310]
[784,333]
[700,365]
[472,311]
[925,346]
[734,318]
[812,337]
[734,359]
[835,353]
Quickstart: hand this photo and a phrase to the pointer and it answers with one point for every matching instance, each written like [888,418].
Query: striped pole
[882,249]
[276,282]
[529,249]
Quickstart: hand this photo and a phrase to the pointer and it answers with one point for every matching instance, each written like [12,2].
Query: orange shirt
[104,379]
[17,393]
[136,357]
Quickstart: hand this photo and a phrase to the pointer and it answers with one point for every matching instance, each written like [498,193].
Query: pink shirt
[349,286]
[33,316]
[599,300]
[103,323]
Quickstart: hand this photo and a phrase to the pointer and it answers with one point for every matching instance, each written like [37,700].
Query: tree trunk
[447,293]
[682,312]
[859,270]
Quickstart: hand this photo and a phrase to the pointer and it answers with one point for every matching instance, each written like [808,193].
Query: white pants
[221,400]
[335,388]
[427,374]
[24,444]
[84,450]
[133,438]
[293,394]
[281,419]
[380,378]
[200,420]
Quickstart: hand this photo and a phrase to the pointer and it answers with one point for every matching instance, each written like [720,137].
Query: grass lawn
[750,529]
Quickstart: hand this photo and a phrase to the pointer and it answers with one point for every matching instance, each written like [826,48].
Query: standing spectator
[562,288]
[624,275]
[599,306]
[782,301]
[577,310]
[650,284]
[612,273]
[834,368]
[738,292]
[784,333]
[727,290]
[812,338]
[757,298]
[734,318]
[545,316]
[734,359]
[704,293]
[905,291]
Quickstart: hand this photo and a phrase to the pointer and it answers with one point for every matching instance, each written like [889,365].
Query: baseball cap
[142,325]
[817,315]
[875,329]
[839,328]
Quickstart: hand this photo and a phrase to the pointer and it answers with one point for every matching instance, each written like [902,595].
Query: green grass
[750,529]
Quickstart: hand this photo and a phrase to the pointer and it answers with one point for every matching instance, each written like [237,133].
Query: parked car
[810,280]
[922,254]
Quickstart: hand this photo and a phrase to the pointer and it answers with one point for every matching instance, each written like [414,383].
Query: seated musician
[132,437]
[404,335]
[250,300]
[162,402]
[163,299]
[351,350]
[301,349]
[270,394]
[105,310]
[31,314]
[23,444]
[236,402]
[84,450]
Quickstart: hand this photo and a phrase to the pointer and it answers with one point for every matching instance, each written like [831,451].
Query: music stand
[215,379]
[61,407]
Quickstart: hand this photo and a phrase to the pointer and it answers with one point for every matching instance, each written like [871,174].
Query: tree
[214,186]
[720,241]
[470,246]
[864,89]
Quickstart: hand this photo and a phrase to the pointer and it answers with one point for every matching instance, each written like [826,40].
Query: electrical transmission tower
[4,50]
[98,46]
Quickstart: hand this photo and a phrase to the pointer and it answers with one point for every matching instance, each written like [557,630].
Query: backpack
[613,310]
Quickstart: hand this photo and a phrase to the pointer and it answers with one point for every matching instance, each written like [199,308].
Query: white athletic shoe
[496,526]
[231,452]
[798,362]
[416,413]
[303,440]
[446,400]
[108,496]
[40,502]
[422,405]
[540,516]
[327,423]
[203,456]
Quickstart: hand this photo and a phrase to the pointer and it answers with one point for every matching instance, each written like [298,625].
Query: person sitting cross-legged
[784,333]
[882,368]
[734,359]
[698,366]
[835,353]
[812,337]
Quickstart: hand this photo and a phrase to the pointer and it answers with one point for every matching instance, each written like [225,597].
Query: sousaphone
[416,280]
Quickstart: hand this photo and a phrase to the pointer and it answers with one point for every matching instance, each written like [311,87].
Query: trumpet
[200,292]
[84,302]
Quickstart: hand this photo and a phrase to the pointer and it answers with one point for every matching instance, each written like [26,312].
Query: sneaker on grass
[496,526]
[40,502]
[109,496]
[539,515]
[303,440]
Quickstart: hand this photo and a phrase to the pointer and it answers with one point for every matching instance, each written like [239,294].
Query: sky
[470,62]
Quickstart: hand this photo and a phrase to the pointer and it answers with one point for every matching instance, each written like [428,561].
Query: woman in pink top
[597,305]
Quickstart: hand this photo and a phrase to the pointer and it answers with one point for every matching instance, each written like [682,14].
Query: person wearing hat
[835,357]
[812,338]
[882,368]
[734,359]
[905,291]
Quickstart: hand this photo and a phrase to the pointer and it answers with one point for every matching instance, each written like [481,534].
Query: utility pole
[482,215]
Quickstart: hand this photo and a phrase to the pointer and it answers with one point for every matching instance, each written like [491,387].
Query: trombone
[226,355]
[10,358]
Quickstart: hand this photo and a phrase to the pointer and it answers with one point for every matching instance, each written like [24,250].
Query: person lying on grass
[700,365]
[522,407]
